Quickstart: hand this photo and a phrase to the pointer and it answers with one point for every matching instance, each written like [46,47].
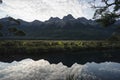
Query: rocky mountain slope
[55,28]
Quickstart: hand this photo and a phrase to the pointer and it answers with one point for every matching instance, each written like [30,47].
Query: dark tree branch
[0,1]
[108,13]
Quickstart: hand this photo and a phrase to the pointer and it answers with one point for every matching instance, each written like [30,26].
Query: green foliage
[59,43]
[19,33]
[37,46]
[107,19]
[108,13]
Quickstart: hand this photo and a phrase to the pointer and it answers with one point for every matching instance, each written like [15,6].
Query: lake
[67,58]
[84,65]
[81,65]
[29,69]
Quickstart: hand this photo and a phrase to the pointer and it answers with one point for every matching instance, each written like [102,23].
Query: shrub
[12,29]
[19,33]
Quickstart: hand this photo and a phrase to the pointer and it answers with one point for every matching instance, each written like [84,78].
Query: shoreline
[57,51]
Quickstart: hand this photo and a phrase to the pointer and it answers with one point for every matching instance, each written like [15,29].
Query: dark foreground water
[67,58]
[29,69]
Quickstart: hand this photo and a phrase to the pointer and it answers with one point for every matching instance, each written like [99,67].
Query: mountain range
[55,28]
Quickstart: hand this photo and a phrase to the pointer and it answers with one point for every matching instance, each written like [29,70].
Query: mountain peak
[54,19]
[82,19]
[68,17]
[10,20]
[35,21]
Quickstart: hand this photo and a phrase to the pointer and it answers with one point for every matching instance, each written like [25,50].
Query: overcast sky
[30,10]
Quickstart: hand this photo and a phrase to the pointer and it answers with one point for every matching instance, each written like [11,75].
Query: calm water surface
[67,66]
[29,69]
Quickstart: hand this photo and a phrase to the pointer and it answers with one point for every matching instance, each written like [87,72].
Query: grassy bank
[37,46]
[56,51]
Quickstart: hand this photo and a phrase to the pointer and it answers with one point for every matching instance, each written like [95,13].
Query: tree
[16,32]
[19,33]
[108,12]
[0,1]
[12,29]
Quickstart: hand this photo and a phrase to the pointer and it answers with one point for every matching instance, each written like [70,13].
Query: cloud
[44,9]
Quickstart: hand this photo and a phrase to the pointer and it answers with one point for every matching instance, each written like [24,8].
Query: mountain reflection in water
[29,69]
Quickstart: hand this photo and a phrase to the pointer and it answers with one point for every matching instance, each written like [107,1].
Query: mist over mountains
[56,28]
